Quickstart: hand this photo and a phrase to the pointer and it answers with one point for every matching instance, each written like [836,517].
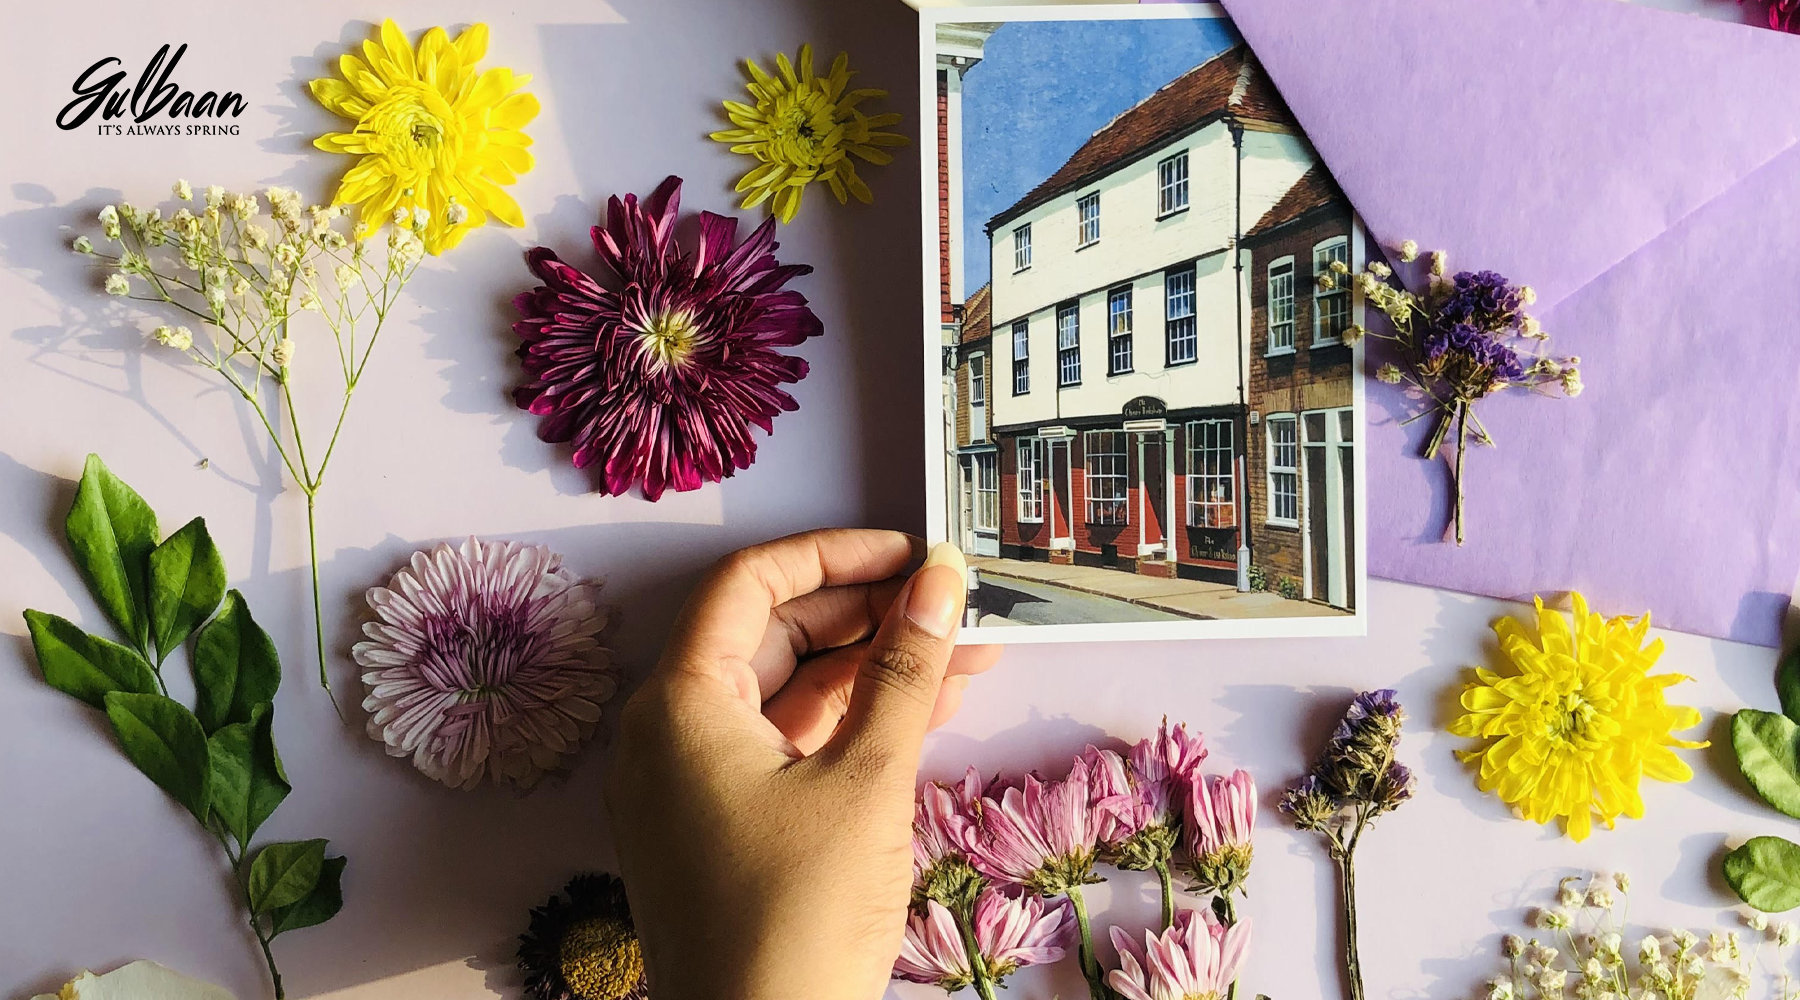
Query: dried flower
[1040,835]
[1464,340]
[485,662]
[431,125]
[137,981]
[659,384]
[1016,930]
[1197,958]
[943,840]
[117,284]
[1221,817]
[804,129]
[1575,719]
[932,952]
[1409,251]
[83,245]
[583,945]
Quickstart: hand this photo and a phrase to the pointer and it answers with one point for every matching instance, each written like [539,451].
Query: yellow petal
[399,52]
[516,111]
[472,44]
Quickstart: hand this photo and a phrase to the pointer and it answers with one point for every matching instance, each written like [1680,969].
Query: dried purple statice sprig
[1468,337]
[1356,780]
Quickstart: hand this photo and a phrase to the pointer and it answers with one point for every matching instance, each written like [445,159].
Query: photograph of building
[1149,407]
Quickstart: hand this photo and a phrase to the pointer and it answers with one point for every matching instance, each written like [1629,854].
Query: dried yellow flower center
[407,127]
[671,337]
[601,959]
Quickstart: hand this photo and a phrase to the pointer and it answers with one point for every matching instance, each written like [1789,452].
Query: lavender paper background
[100,868]
[1638,168]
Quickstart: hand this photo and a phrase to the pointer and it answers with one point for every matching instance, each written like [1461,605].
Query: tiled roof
[978,314]
[1315,190]
[1232,82]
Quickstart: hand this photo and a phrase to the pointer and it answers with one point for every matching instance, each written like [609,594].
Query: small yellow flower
[431,128]
[1577,721]
[805,128]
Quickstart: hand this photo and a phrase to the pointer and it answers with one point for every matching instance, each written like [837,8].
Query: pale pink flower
[944,822]
[485,661]
[1041,836]
[1013,932]
[1196,959]
[1113,795]
[1171,753]
[932,950]
[1221,813]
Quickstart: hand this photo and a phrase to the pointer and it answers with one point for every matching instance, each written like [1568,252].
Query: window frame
[1021,335]
[986,497]
[1117,336]
[1082,204]
[1292,422]
[1342,293]
[1068,357]
[1270,299]
[1118,482]
[1029,492]
[978,379]
[1022,248]
[1192,319]
[1223,441]
[1167,186]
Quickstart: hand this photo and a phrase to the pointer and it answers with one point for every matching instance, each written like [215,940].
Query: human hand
[761,788]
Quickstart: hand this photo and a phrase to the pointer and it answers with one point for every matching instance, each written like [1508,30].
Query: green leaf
[187,581]
[236,667]
[247,782]
[85,666]
[284,874]
[166,742]
[1765,872]
[1787,684]
[112,532]
[1768,752]
[320,905]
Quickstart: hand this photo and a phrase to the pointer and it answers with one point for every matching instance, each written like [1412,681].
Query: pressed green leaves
[284,874]
[236,667]
[187,581]
[112,532]
[1768,752]
[1766,873]
[85,666]
[165,741]
[318,906]
[247,779]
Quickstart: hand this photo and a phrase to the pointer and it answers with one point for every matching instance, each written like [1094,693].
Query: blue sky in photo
[1044,88]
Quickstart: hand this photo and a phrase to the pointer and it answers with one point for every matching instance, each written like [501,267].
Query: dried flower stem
[1168,894]
[1090,964]
[965,923]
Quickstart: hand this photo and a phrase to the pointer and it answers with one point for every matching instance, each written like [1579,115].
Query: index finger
[728,613]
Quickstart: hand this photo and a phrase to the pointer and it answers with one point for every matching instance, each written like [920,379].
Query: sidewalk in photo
[1188,598]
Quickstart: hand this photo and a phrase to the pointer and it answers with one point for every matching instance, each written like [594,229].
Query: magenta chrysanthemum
[659,376]
[486,660]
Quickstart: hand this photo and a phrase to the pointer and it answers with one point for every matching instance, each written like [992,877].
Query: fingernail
[935,600]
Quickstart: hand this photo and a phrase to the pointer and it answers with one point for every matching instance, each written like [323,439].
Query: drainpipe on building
[1237,254]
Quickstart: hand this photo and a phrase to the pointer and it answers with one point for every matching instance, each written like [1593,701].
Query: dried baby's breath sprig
[1585,950]
[1466,338]
[256,284]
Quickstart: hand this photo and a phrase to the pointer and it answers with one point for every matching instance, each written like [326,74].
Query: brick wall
[1309,379]
[943,129]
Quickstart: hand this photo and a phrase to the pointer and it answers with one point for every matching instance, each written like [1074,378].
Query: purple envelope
[1638,168]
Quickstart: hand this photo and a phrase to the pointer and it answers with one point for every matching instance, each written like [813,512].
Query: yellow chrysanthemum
[1578,722]
[433,133]
[805,128]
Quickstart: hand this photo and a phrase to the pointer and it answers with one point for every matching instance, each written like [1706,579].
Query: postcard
[1142,411]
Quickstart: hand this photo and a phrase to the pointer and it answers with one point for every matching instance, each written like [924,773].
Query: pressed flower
[1575,718]
[1010,931]
[932,950]
[485,662]
[1221,818]
[1040,836]
[1196,959]
[582,945]
[432,129]
[140,980]
[660,382]
[943,839]
[804,129]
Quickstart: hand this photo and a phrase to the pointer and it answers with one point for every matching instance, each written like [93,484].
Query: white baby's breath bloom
[1571,383]
[245,207]
[1440,263]
[1594,968]
[401,215]
[1649,950]
[1528,295]
[1545,955]
[421,219]
[311,301]
[1353,334]
[109,222]
[346,275]
[84,245]
[1512,946]
[240,287]
[1600,897]
[179,337]
[284,352]
[1786,934]
[1530,327]
[1327,283]
[1409,251]
[1622,880]
[1339,267]
[1568,895]
[215,196]
[456,213]
[1380,270]
[1757,921]
[1553,981]
[184,191]
[1500,989]
[117,284]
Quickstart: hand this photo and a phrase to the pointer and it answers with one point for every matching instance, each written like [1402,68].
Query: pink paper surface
[1637,168]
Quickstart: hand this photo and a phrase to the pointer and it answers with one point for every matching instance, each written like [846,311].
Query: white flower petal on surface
[138,981]
[486,662]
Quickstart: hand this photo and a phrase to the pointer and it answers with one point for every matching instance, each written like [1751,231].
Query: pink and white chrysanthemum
[1221,814]
[1114,796]
[1015,931]
[1196,959]
[944,824]
[1040,836]
[485,661]
[1171,753]
[932,951]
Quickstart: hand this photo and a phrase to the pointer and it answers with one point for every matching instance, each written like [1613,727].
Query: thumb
[897,685]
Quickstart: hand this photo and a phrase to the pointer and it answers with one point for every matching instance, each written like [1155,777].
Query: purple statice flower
[1483,298]
[1382,706]
[657,374]
[1476,347]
